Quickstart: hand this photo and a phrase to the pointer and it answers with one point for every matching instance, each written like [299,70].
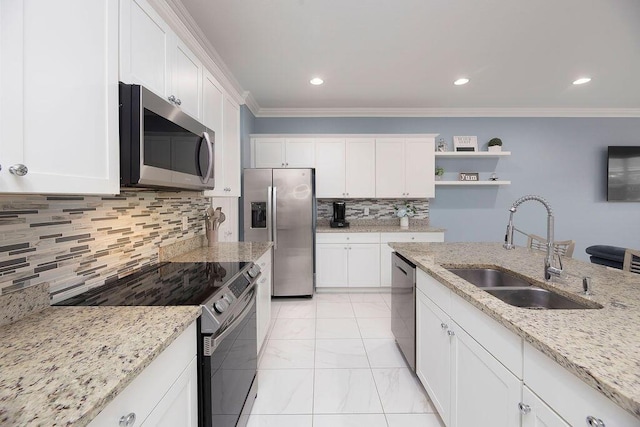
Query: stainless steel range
[227,348]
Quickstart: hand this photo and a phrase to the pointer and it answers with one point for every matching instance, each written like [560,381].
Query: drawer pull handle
[594,422]
[444,326]
[451,333]
[524,408]
[127,420]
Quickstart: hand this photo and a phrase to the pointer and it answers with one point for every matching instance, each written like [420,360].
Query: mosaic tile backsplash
[378,208]
[78,242]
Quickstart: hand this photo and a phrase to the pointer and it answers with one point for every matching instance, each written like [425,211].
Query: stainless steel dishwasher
[403,306]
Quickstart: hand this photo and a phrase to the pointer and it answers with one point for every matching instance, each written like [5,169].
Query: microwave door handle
[207,175]
[275,218]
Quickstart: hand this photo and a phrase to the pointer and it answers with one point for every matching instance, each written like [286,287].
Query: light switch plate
[366,211]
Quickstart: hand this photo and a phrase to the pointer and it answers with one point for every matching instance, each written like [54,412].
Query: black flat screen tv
[623,172]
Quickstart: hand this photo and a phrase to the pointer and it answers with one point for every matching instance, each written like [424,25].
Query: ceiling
[405,54]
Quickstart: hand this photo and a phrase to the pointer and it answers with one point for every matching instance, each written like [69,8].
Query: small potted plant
[495,144]
[404,212]
[439,173]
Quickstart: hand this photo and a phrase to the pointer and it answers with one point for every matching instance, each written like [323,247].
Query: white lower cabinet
[536,413]
[165,393]
[353,265]
[331,265]
[263,298]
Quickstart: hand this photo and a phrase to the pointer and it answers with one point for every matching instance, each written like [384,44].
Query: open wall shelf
[471,154]
[471,183]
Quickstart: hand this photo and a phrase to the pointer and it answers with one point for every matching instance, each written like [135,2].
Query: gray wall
[561,159]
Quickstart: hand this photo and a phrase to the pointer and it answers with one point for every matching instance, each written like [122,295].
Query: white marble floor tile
[349,420]
[298,310]
[366,297]
[331,297]
[293,329]
[400,392]
[384,353]
[379,327]
[341,353]
[387,298]
[334,310]
[280,421]
[337,328]
[288,354]
[345,391]
[414,420]
[284,391]
[371,309]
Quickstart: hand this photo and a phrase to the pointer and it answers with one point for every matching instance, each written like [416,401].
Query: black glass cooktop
[162,285]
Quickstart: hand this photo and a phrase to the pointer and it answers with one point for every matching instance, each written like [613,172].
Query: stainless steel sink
[516,291]
[536,298]
[489,277]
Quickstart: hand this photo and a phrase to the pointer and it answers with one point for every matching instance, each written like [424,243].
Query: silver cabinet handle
[524,408]
[451,333]
[444,326]
[0,167]
[127,420]
[18,169]
[594,422]
[282,164]
[178,102]
[172,99]
[286,164]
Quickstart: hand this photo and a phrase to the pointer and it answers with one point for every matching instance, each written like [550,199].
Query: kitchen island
[599,346]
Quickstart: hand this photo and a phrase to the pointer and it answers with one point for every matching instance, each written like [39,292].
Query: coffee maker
[339,215]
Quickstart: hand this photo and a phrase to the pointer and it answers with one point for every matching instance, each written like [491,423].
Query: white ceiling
[386,54]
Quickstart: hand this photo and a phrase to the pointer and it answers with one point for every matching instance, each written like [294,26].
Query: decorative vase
[404,222]
[495,148]
[438,177]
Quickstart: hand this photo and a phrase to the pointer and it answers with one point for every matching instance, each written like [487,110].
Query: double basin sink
[516,291]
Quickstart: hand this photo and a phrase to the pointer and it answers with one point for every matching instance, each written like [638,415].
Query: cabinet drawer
[348,238]
[503,344]
[412,237]
[567,395]
[436,291]
[146,390]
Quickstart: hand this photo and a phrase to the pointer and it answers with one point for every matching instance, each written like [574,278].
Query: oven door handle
[217,340]
[207,175]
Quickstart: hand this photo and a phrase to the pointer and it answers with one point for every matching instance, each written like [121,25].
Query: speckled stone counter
[63,365]
[600,346]
[225,252]
[383,228]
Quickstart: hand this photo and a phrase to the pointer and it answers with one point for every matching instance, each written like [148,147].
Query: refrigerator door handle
[274,216]
[269,212]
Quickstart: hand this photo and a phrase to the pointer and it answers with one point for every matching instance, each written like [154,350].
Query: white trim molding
[447,112]
[251,103]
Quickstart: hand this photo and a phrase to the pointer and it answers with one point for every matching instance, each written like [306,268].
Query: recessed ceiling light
[461,82]
[582,81]
[316,81]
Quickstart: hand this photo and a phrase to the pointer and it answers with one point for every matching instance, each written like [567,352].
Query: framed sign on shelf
[465,143]
[468,176]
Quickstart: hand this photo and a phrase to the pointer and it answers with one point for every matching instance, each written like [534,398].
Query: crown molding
[447,112]
[251,103]
[183,24]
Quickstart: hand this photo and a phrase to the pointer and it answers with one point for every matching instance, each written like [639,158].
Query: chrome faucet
[549,268]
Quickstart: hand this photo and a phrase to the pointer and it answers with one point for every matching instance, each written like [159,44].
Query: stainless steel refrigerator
[279,205]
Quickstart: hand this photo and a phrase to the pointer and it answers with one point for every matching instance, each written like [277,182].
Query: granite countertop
[383,228]
[63,365]
[600,346]
[225,252]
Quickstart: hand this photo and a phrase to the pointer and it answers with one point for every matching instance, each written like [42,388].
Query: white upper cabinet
[345,167]
[153,56]
[284,152]
[59,104]
[231,147]
[405,168]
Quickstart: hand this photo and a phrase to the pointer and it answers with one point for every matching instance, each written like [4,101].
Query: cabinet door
[364,265]
[299,153]
[390,168]
[360,168]
[433,354]
[212,99]
[187,80]
[331,265]
[145,53]
[330,168]
[539,415]
[385,264]
[231,149]
[263,303]
[484,392]
[59,123]
[419,168]
[179,406]
[269,152]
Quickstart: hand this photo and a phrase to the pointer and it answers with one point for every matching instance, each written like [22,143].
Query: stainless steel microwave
[160,145]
